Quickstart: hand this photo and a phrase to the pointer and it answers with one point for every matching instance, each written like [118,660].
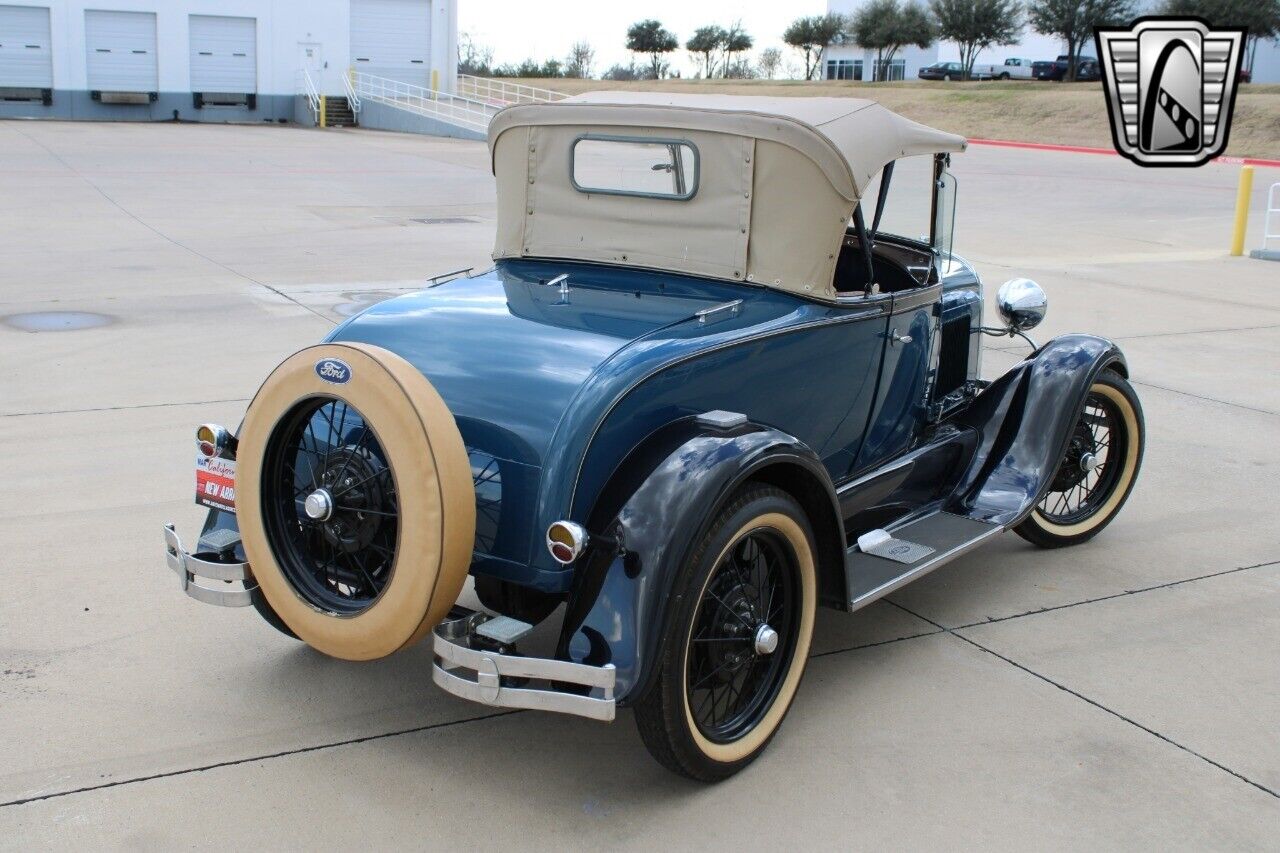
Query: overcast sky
[521,30]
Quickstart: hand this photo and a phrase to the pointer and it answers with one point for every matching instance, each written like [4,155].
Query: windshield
[945,222]
[908,210]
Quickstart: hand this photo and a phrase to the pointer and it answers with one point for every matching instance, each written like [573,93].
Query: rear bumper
[207,577]
[466,666]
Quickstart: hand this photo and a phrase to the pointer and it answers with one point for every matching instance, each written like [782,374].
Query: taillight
[565,541]
[214,440]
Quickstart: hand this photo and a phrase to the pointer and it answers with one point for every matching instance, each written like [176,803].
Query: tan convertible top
[851,139]
[779,178]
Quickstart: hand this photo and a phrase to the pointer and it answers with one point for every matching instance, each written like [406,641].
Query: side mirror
[1021,303]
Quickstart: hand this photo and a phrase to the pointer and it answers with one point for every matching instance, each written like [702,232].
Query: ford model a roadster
[715,379]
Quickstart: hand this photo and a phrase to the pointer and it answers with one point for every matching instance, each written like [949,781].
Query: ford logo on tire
[333,370]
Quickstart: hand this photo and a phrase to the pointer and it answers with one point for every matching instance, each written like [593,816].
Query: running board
[885,560]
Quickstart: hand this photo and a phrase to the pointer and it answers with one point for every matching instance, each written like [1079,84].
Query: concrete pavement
[1119,694]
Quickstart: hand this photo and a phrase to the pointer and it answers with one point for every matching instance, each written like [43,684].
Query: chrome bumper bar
[193,569]
[511,681]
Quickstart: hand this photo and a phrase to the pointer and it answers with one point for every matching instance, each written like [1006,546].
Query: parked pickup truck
[1086,69]
[1014,68]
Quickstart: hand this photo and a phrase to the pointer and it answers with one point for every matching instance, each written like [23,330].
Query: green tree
[975,25]
[704,42]
[887,26]
[1262,17]
[649,36]
[1073,21]
[811,36]
[736,41]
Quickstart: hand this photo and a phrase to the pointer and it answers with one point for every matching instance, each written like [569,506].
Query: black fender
[621,603]
[1025,419]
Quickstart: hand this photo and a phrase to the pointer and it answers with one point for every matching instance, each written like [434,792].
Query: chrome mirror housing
[1021,303]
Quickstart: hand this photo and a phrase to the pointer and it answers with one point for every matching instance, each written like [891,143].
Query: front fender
[618,611]
[1025,419]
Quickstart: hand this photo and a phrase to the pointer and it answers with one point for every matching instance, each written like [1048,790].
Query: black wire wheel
[330,506]
[1097,471]
[733,656]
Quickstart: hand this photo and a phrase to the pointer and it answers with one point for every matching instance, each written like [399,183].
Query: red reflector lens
[562,552]
[206,448]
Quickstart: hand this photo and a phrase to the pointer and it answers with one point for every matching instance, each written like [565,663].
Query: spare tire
[355,499]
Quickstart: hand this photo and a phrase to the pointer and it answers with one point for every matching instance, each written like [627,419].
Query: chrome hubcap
[766,640]
[319,505]
[1088,462]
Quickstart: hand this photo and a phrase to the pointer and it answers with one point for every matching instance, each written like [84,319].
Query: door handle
[900,339]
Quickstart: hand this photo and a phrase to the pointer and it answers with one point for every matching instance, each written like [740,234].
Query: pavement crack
[1206,399]
[877,643]
[997,619]
[163,236]
[253,759]
[1095,703]
[124,408]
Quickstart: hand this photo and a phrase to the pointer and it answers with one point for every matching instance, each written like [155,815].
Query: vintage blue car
[725,369]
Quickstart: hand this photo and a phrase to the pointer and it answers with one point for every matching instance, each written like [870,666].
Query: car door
[900,409]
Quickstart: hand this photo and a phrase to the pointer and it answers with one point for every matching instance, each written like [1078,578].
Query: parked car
[1012,68]
[1087,69]
[703,390]
[942,71]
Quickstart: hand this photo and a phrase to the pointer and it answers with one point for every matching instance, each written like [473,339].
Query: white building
[212,60]
[844,60]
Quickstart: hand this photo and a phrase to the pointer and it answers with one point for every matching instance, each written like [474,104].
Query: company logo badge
[1170,86]
[333,370]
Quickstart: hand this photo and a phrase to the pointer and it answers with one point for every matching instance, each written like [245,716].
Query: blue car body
[634,401]
[570,402]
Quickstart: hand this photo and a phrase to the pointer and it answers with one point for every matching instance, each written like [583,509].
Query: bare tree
[581,58]
[473,58]
[975,25]
[770,62]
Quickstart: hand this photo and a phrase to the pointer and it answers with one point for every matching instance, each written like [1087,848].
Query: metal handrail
[504,92]
[455,109]
[313,94]
[352,98]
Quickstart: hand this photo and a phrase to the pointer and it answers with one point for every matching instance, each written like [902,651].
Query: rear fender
[621,603]
[1025,420]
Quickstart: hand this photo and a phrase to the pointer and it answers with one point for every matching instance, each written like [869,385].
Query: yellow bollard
[322,97]
[435,83]
[1242,210]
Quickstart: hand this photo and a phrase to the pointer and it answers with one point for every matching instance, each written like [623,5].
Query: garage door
[392,38]
[122,51]
[25,58]
[223,54]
